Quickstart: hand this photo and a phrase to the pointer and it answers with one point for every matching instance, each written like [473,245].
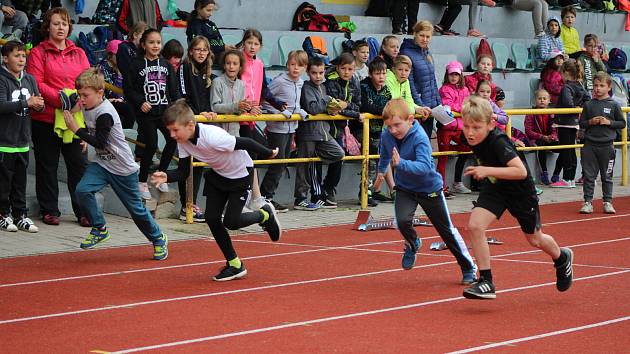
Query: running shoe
[95,237]
[305,205]
[26,224]
[229,273]
[409,256]
[564,272]
[587,208]
[160,247]
[480,290]
[272,225]
[608,208]
[6,224]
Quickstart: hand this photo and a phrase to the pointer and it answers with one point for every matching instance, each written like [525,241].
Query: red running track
[325,290]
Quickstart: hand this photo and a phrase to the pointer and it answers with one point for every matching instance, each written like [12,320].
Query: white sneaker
[163,188]
[587,208]
[608,208]
[460,188]
[26,224]
[144,190]
[6,224]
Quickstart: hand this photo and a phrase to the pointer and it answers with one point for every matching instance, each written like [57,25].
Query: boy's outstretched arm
[515,170]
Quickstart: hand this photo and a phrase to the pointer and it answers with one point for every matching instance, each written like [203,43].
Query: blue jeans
[95,179]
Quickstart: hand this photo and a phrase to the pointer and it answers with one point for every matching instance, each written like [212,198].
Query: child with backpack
[484,68]
[550,42]
[287,87]
[390,47]
[572,95]
[551,78]
[541,132]
[151,87]
[199,24]
[114,166]
[20,95]
[195,78]
[453,93]
[361,52]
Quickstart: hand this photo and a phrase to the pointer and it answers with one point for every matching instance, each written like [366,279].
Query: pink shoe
[561,184]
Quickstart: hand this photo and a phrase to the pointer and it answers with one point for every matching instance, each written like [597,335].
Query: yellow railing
[365,156]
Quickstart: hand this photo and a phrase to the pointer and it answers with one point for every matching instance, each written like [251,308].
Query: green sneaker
[160,248]
[95,237]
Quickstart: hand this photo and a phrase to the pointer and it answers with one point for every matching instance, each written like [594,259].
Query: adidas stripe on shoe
[480,290]
[564,272]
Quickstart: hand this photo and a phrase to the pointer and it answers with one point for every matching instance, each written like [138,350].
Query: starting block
[441,246]
[365,222]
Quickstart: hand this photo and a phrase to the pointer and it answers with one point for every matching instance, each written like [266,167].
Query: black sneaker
[230,273]
[564,272]
[480,290]
[272,225]
[280,208]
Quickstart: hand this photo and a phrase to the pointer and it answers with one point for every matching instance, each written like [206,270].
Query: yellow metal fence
[365,155]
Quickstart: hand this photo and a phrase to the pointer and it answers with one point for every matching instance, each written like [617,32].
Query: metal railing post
[189,194]
[365,162]
[624,153]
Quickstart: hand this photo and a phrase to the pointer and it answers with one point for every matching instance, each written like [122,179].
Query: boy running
[405,144]
[506,184]
[115,165]
[228,182]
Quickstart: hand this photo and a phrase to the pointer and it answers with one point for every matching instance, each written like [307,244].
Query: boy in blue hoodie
[405,144]
[18,95]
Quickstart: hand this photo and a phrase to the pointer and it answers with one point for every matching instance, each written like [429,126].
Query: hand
[283,107]
[519,143]
[209,115]
[425,112]
[76,108]
[594,121]
[70,122]
[343,104]
[9,11]
[84,146]
[274,153]
[361,117]
[380,178]
[116,100]
[157,178]
[255,110]
[146,107]
[244,106]
[395,157]
[604,121]
[476,172]
[36,103]
[333,112]
[229,47]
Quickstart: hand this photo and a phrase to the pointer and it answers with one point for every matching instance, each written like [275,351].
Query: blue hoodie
[416,171]
[424,88]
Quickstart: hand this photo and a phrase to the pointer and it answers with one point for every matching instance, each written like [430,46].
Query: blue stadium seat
[501,55]
[287,44]
[265,55]
[521,57]
[534,83]
[337,47]
[473,55]
[231,39]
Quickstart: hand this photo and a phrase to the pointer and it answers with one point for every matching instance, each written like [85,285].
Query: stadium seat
[473,55]
[265,55]
[521,56]
[337,46]
[231,39]
[533,86]
[501,54]
[287,44]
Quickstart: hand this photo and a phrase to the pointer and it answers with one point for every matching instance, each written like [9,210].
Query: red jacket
[472,80]
[538,125]
[552,82]
[54,70]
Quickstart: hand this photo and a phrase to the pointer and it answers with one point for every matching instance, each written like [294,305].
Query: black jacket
[193,88]
[152,81]
[572,95]
[15,118]
[348,91]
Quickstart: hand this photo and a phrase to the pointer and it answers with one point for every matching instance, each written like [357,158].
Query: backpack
[484,49]
[106,12]
[617,59]
[374,47]
[347,45]
[94,43]
[315,46]
[620,90]
[306,18]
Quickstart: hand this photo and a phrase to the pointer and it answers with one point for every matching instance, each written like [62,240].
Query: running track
[325,290]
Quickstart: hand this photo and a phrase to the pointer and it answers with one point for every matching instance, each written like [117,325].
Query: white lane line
[542,335]
[341,317]
[212,294]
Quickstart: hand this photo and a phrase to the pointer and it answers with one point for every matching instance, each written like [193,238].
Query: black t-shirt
[496,151]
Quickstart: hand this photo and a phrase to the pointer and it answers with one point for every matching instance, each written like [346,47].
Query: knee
[535,239]
[231,223]
[475,228]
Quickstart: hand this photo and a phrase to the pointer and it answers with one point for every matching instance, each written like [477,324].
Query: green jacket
[400,90]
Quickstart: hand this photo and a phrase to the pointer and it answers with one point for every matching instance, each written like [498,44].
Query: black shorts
[523,207]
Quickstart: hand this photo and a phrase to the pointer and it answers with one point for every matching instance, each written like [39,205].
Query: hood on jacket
[4,71]
[554,18]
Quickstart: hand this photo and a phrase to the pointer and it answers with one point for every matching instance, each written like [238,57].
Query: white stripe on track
[542,335]
[341,317]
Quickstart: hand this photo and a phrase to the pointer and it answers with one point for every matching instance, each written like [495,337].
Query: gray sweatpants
[598,159]
[434,206]
[539,9]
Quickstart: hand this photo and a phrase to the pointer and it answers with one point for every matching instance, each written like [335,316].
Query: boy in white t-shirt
[228,182]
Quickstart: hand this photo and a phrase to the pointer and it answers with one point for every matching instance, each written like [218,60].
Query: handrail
[365,156]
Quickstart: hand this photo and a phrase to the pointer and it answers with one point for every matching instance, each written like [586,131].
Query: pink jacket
[472,80]
[454,97]
[552,82]
[252,76]
[54,70]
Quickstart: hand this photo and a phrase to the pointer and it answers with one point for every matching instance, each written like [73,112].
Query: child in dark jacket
[313,139]
[600,119]
[572,95]
[18,95]
[341,85]
[540,132]
[199,24]
[151,87]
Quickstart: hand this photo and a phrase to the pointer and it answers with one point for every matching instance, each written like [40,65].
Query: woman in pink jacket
[453,93]
[55,63]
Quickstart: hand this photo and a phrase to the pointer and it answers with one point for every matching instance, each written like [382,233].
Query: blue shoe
[544,178]
[160,247]
[409,257]
[95,237]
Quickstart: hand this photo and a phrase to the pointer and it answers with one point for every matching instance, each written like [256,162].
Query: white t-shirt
[216,148]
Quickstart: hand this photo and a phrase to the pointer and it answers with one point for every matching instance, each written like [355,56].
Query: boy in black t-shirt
[506,184]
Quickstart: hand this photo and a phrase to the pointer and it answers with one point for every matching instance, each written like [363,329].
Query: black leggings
[148,127]
[567,160]
[229,195]
[197,172]
[459,167]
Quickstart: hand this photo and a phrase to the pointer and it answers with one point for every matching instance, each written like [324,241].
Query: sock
[486,274]
[560,261]
[236,263]
[265,215]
